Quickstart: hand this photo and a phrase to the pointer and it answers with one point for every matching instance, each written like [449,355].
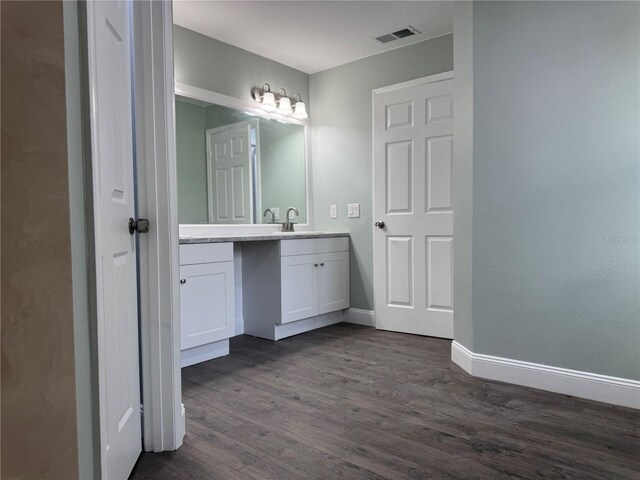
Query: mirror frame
[208,96]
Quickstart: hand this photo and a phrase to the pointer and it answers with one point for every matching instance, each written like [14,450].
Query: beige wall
[38,423]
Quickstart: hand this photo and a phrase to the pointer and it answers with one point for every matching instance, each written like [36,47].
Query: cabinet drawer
[308,246]
[191,254]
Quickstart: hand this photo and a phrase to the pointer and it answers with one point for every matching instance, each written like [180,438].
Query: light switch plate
[333,211]
[353,210]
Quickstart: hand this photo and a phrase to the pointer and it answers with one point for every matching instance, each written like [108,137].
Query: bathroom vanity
[242,174]
[290,283]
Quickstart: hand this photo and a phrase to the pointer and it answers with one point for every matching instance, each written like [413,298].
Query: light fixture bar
[279,102]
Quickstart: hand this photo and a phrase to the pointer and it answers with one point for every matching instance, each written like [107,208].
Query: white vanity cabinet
[292,286]
[206,301]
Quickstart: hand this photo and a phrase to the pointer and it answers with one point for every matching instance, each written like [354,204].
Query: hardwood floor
[350,402]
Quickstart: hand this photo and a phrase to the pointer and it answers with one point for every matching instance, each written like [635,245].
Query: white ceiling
[313,35]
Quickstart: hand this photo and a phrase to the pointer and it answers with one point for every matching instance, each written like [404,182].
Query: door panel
[333,282]
[399,115]
[399,272]
[108,29]
[399,174]
[439,274]
[299,287]
[438,173]
[222,199]
[413,256]
[439,108]
[240,185]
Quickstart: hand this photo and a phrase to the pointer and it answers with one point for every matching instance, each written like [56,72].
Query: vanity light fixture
[280,102]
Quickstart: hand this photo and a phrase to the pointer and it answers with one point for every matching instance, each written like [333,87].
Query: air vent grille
[398,34]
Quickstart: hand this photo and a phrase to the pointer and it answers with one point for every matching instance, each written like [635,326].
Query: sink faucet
[287,226]
[273,215]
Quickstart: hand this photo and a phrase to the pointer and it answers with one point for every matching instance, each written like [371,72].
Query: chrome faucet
[273,215]
[287,226]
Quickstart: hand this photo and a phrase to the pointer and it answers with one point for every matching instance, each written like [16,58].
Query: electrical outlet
[353,210]
[333,211]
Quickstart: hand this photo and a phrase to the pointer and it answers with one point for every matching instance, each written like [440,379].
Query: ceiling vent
[397,35]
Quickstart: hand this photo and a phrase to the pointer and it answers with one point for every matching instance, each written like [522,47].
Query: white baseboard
[360,317]
[602,388]
[204,353]
[300,326]
[182,427]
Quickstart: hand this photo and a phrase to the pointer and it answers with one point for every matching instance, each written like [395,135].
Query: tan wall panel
[39,436]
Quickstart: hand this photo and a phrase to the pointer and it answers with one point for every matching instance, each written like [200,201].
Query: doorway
[135,361]
[413,238]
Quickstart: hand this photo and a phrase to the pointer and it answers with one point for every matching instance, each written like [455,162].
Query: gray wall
[462,173]
[206,63]
[341,143]
[282,169]
[556,197]
[192,164]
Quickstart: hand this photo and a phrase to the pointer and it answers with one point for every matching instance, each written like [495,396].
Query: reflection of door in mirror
[233,164]
[230,171]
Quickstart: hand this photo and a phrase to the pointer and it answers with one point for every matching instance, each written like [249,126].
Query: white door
[299,287]
[229,174]
[413,249]
[108,28]
[333,282]
[206,303]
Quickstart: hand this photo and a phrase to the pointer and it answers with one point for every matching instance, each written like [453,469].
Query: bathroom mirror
[233,165]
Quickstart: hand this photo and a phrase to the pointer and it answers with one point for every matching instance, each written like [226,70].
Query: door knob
[379,224]
[183,281]
[141,225]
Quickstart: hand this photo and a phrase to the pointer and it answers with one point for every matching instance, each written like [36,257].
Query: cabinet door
[206,303]
[333,282]
[299,287]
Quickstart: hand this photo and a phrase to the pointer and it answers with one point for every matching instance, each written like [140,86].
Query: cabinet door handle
[322,264]
[183,281]
[315,264]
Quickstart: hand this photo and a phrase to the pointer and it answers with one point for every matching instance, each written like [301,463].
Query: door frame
[164,416]
[437,77]
[163,423]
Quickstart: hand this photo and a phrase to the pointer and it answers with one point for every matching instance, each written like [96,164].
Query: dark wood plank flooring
[350,402]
